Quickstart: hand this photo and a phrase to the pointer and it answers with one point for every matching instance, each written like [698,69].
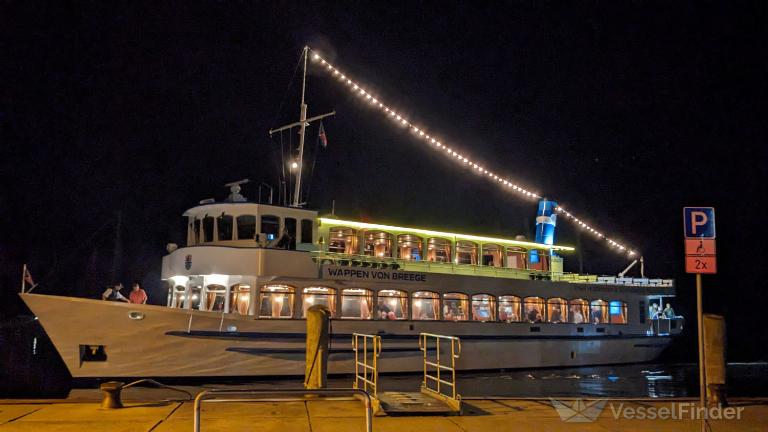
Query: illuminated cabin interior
[412,248]
[281,301]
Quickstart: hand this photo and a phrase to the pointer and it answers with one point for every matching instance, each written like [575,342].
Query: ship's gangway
[438,392]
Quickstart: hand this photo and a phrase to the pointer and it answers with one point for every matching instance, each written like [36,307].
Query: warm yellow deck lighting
[431,233]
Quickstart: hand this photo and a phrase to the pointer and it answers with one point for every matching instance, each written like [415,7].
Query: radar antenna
[234,189]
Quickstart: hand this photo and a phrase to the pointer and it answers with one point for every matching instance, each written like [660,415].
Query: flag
[28,277]
[321,135]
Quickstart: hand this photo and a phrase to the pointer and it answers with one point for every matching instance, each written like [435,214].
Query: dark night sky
[622,111]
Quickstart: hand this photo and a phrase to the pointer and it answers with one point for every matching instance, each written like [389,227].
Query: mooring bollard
[714,358]
[316,372]
[111,391]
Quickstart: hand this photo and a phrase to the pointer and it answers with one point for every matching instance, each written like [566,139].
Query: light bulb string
[453,153]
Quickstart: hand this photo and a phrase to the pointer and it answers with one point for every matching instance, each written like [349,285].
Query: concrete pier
[144,411]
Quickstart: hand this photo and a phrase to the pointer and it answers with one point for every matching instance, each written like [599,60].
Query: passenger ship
[239,289]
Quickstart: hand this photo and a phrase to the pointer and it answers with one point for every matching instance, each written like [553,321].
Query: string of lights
[434,142]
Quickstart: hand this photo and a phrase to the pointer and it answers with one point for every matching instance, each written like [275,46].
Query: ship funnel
[546,219]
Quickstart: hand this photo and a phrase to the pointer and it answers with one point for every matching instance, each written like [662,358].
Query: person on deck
[113,294]
[669,312]
[138,295]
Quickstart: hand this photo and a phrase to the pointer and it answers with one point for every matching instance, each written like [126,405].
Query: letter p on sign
[699,222]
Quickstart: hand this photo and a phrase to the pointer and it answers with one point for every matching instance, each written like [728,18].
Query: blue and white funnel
[546,219]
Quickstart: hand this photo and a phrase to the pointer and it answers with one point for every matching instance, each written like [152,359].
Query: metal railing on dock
[366,347]
[263,395]
[435,380]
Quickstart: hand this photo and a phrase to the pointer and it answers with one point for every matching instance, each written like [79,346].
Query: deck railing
[439,374]
[366,371]
[263,395]
[373,262]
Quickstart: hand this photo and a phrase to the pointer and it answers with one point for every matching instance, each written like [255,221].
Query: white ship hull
[164,344]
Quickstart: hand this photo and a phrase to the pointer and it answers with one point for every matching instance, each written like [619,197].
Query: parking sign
[699,226]
[699,222]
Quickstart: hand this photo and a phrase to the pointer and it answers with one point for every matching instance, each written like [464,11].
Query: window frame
[241,232]
[403,304]
[332,294]
[290,292]
[542,309]
[492,307]
[603,305]
[220,224]
[624,312]
[366,294]
[519,307]
[563,303]
[463,301]
[434,297]
[584,309]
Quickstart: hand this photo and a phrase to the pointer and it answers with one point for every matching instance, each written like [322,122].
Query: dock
[156,410]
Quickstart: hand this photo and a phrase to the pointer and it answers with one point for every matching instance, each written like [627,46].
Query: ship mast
[302,124]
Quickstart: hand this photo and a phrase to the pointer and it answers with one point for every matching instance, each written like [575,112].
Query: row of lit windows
[383,244]
[202,229]
[277,301]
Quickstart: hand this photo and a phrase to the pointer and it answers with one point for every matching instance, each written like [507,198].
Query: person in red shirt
[138,295]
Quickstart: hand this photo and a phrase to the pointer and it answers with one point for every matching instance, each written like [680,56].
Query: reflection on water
[30,367]
[636,380]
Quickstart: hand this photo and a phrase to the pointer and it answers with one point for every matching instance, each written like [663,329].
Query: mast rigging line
[438,145]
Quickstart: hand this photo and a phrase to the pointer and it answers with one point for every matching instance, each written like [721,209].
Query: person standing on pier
[138,295]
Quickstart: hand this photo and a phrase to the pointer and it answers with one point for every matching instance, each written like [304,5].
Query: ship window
[617,312]
[539,260]
[455,307]
[533,308]
[516,257]
[492,254]
[466,252]
[225,227]
[306,231]
[196,230]
[509,309]
[270,226]
[409,247]
[214,297]
[438,250]
[378,244]
[578,311]
[194,294]
[483,307]
[276,301]
[356,303]
[208,229]
[342,240]
[319,296]
[246,227]
[240,299]
[598,312]
[392,305]
[179,297]
[290,229]
[426,305]
[557,310]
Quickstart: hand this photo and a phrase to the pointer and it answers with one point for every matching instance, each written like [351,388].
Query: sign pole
[702,373]
[700,257]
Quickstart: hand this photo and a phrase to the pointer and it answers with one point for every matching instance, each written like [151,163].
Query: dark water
[30,367]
